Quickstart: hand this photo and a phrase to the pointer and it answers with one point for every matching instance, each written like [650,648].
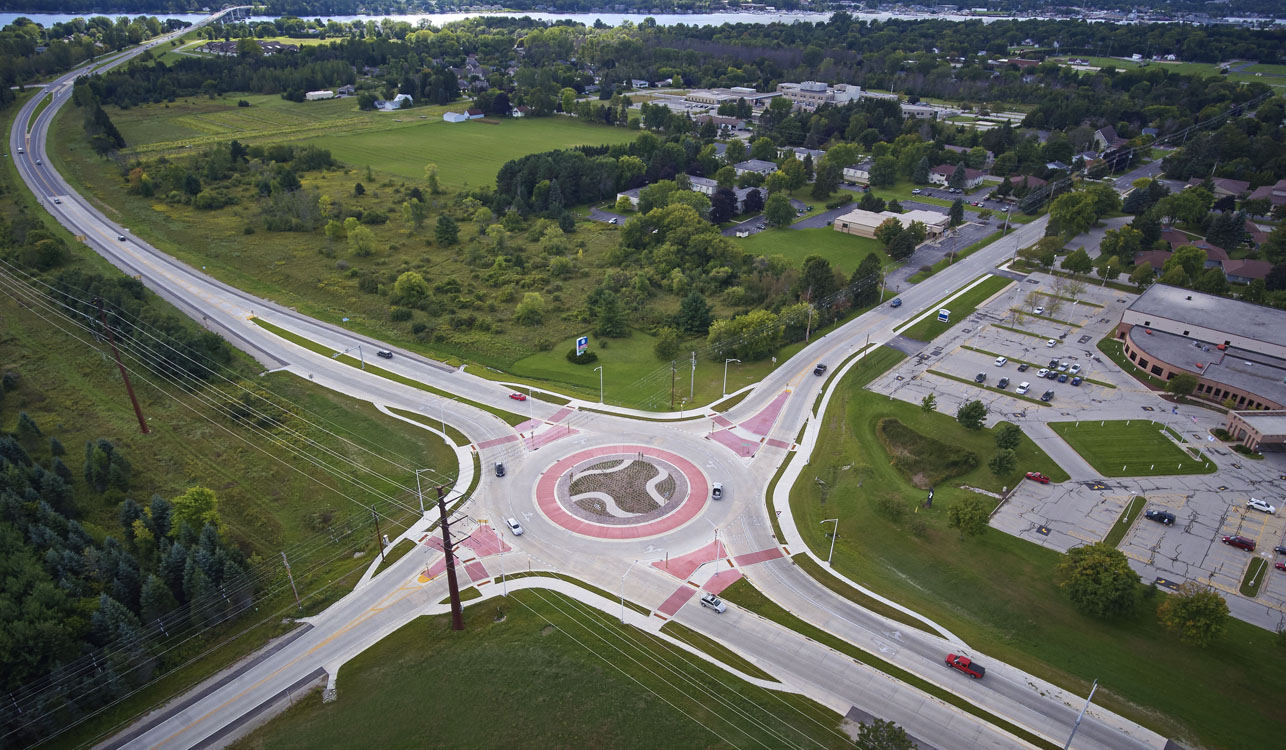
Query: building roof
[1275,193]
[1264,422]
[1253,321]
[949,169]
[862,166]
[755,165]
[703,181]
[872,219]
[1154,258]
[1235,187]
[1249,371]
[1247,269]
[1032,181]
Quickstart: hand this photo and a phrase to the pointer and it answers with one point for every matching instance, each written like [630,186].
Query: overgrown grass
[1126,520]
[567,676]
[924,461]
[844,251]
[1129,448]
[1000,593]
[961,307]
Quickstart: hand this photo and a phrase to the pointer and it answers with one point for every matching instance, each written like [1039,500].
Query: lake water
[611,19]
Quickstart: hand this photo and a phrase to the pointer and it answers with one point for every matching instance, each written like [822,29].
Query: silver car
[514,526]
[714,602]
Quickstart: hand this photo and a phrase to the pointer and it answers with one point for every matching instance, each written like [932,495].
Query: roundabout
[622,492]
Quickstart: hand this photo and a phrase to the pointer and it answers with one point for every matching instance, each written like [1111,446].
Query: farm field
[1130,448]
[844,251]
[467,153]
[1000,593]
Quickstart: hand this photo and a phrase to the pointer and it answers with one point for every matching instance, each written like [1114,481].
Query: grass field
[961,307]
[1130,448]
[465,152]
[1001,595]
[844,251]
[550,673]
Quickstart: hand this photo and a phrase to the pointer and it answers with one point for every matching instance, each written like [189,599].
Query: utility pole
[291,576]
[1081,715]
[457,616]
[692,382]
[111,340]
[674,368]
[379,541]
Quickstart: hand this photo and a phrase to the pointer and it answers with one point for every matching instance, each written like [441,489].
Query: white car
[514,526]
[1040,311]
[1256,504]
[714,602]
[611,221]
[1023,388]
[1051,343]
[1075,369]
[1043,372]
[716,491]
[1000,361]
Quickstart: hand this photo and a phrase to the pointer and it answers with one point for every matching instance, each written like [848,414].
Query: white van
[1023,388]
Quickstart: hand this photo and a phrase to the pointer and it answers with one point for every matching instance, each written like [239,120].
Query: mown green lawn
[1130,448]
[466,152]
[1000,593]
[550,673]
[844,251]
[961,307]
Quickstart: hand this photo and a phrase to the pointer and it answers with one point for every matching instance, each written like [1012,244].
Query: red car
[518,396]
[1036,476]
[966,665]
[1240,541]
[1280,565]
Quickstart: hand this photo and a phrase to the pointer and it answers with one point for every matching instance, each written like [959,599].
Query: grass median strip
[961,307]
[1123,524]
[993,389]
[509,417]
[1029,364]
[1011,329]
[744,594]
[393,554]
[720,652]
[1028,314]
[1073,300]
[587,586]
[812,568]
[457,437]
[1254,577]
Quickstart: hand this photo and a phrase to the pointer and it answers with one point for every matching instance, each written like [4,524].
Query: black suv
[1160,516]
[819,370]
[1047,396]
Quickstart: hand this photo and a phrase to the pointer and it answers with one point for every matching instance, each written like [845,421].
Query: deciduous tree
[969,516]
[1098,579]
[1196,613]
[971,414]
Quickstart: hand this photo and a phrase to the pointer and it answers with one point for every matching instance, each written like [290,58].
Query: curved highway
[556,432]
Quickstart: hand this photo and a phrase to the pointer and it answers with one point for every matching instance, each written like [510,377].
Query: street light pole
[1081,715]
[627,572]
[419,492]
[718,558]
[725,374]
[600,384]
[834,534]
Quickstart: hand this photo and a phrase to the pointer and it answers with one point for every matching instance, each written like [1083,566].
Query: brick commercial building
[1258,430]
[864,223]
[1235,349]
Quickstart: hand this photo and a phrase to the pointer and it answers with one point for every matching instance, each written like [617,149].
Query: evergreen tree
[156,599]
[694,314]
[27,429]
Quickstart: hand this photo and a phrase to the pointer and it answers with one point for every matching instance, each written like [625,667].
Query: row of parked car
[1166,518]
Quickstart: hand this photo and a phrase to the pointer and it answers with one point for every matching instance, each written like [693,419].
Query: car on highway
[1047,396]
[1023,387]
[897,302]
[980,377]
[1240,542]
[514,526]
[384,354]
[966,665]
[120,237]
[1022,366]
[1003,383]
[58,201]
[716,491]
[819,370]
[1255,503]
[518,396]
[20,150]
[1160,516]
[1036,476]
[710,601]
[39,162]
[1000,361]
[1042,372]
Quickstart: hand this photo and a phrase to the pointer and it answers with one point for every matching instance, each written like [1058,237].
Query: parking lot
[1085,509]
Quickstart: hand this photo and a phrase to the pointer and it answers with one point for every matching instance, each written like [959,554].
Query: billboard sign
[582,344]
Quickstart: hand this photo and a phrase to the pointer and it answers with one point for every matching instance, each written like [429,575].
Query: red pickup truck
[966,665]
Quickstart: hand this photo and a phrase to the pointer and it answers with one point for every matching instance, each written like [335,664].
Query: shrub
[419,327]
[841,201]
[584,359]
[399,314]
[890,509]
[374,217]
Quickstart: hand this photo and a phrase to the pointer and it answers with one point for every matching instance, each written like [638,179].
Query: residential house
[964,150]
[1056,166]
[1215,255]
[520,111]
[1256,234]
[1223,187]
[941,175]
[1154,258]
[1106,138]
[1246,271]
[639,83]
[859,173]
[1032,182]
[394,104]
[800,153]
[474,113]
[758,166]
[1275,194]
[347,90]
[703,185]
[632,195]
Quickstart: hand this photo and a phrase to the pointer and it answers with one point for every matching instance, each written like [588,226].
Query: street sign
[582,344]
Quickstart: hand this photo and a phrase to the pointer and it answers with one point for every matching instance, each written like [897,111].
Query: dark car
[500,469]
[1047,396]
[1160,516]
[1240,542]
[1003,383]
[1022,367]
[384,354]
[980,377]
[1062,377]
[1053,364]
[1076,380]
[1052,374]
[1280,549]
[897,302]
[819,370]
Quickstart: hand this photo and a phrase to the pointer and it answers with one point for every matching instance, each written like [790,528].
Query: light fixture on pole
[627,572]
[600,384]
[834,534]
[419,492]
[725,374]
